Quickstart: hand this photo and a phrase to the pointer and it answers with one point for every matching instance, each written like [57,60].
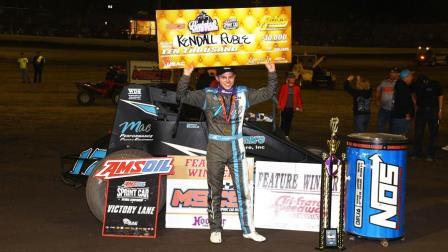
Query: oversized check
[223,37]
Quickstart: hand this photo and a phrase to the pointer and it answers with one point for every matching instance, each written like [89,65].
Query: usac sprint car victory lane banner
[223,37]
[132,196]
[187,192]
[287,196]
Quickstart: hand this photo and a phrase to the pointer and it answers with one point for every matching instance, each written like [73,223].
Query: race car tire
[96,188]
[85,98]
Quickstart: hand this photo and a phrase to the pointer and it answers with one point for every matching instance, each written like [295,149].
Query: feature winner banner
[287,196]
[223,37]
[187,192]
[132,196]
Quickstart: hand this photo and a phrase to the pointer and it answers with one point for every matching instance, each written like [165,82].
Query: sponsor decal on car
[87,155]
[135,131]
[120,168]
[254,139]
[134,94]
[145,107]
[192,126]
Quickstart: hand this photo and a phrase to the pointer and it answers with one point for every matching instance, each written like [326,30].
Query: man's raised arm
[265,93]
[195,98]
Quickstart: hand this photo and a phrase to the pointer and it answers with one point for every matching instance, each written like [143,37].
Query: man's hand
[270,66]
[350,77]
[188,70]
[299,109]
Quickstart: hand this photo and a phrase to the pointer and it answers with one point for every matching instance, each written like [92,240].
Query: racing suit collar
[224,91]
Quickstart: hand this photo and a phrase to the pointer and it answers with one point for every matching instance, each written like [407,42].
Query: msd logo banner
[120,168]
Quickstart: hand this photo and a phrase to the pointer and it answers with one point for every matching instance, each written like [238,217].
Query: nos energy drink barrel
[376,185]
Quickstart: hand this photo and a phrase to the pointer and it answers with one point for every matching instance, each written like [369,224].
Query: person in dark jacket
[403,105]
[429,103]
[362,95]
[289,101]
[38,65]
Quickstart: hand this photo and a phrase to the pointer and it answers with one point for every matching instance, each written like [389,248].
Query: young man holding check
[224,108]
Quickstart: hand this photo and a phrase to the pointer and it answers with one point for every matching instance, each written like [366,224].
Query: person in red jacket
[289,101]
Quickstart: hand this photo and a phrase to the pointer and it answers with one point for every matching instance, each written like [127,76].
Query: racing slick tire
[85,98]
[96,188]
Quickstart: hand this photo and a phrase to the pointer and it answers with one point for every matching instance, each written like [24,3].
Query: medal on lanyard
[224,110]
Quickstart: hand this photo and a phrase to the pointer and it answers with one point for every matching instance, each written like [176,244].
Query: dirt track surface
[42,121]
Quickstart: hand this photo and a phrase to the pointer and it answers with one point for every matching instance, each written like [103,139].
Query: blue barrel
[376,185]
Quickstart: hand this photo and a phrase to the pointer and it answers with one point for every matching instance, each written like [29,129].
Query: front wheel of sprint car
[96,188]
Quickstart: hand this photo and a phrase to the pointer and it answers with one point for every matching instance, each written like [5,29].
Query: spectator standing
[289,101]
[23,67]
[384,99]
[362,95]
[38,65]
[429,102]
[403,105]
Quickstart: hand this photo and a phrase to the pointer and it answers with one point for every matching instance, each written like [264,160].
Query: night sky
[394,11]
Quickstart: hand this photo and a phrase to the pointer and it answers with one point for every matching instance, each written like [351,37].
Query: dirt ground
[40,122]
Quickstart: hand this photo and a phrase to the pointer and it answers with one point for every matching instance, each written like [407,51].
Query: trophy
[331,237]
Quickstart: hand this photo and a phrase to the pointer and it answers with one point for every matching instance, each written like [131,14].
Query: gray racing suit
[225,145]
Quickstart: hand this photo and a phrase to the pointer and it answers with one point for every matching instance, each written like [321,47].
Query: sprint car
[150,122]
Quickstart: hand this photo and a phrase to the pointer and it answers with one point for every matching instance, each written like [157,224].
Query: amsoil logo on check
[120,168]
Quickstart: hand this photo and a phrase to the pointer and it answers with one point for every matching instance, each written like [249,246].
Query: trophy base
[330,240]
[324,248]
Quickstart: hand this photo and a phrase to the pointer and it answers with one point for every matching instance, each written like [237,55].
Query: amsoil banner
[132,196]
[223,37]
[287,196]
[187,191]
[131,208]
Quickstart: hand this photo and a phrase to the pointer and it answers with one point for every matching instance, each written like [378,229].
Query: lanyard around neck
[224,109]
